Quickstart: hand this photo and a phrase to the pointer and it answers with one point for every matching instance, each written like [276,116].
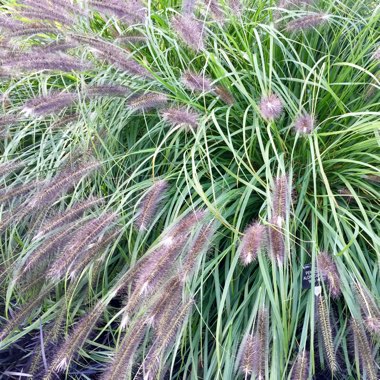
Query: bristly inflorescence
[188,7]
[271,107]
[163,340]
[307,22]
[149,204]
[252,242]
[305,124]
[68,216]
[326,331]
[49,104]
[132,11]
[196,82]
[38,61]
[190,30]
[288,4]
[74,341]
[9,167]
[364,350]
[181,117]
[236,7]
[112,54]
[301,366]
[79,242]
[123,358]
[61,183]
[370,309]
[246,355]
[329,272]
[214,7]
[61,11]
[281,199]
[147,101]
[260,344]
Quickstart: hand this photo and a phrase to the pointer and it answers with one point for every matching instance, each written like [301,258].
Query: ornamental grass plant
[189,189]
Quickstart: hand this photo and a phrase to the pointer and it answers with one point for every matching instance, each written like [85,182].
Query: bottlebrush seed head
[276,242]
[166,304]
[68,216]
[131,39]
[260,344]
[236,7]
[147,101]
[224,95]
[107,90]
[364,350]
[214,7]
[329,272]
[123,358]
[181,117]
[10,193]
[49,104]
[28,30]
[280,199]
[271,107]
[76,338]
[112,54]
[185,224]
[304,124]
[324,324]
[201,243]
[9,23]
[7,121]
[159,265]
[370,310]
[53,47]
[33,61]
[167,335]
[300,369]
[188,7]
[307,22]
[62,182]
[10,167]
[287,4]
[130,12]
[253,240]
[46,14]
[93,251]
[150,203]
[246,353]
[373,325]
[196,82]
[190,30]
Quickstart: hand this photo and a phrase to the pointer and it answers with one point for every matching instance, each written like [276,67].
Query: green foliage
[228,165]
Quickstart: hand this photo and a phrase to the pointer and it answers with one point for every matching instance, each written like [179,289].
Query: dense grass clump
[190,189]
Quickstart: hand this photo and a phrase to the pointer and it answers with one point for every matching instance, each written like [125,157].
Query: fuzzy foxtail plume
[260,344]
[252,242]
[370,310]
[246,355]
[149,204]
[300,369]
[123,359]
[329,272]
[327,333]
[364,350]
[75,341]
[163,340]
[23,313]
